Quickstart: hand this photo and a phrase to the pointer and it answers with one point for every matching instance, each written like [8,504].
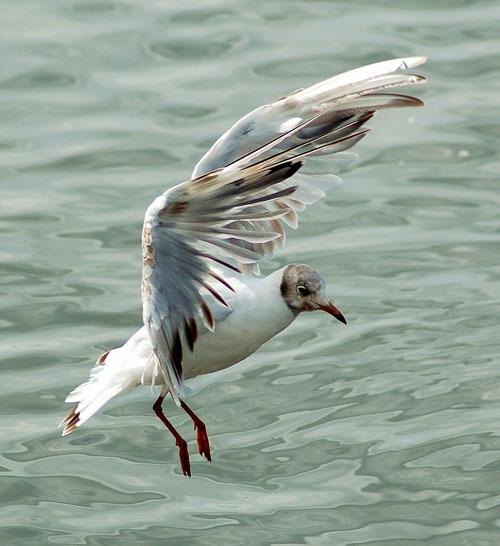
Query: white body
[238,333]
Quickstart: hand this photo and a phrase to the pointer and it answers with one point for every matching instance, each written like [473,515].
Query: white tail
[115,372]
[90,396]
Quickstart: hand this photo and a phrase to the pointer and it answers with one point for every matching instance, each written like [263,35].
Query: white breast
[258,313]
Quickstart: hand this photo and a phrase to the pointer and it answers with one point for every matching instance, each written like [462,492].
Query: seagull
[205,304]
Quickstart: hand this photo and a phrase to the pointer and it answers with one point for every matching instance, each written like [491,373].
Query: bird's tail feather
[90,397]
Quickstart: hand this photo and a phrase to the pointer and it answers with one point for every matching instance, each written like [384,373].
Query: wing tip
[190,332]
[412,62]
[207,316]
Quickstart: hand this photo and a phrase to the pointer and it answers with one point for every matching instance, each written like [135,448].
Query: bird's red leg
[201,431]
[179,440]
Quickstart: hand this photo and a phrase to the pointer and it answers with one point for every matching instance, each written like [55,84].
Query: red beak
[332,310]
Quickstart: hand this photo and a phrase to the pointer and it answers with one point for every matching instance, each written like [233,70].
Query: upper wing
[188,233]
[235,214]
[270,120]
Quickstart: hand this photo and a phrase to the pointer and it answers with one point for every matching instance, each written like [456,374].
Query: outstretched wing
[270,120]
[228,218]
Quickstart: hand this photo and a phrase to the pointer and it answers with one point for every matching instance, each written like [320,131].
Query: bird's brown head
[303,289]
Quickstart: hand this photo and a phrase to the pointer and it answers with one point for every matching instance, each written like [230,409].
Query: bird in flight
[205,305]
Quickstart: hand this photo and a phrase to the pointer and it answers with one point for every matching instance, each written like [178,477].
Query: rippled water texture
[383,432]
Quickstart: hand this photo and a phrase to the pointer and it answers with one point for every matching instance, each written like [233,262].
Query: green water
[384,432]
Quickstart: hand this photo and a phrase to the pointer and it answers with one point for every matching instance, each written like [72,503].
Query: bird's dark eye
[303,291]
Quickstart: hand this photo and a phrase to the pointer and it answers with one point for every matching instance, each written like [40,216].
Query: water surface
[384,432]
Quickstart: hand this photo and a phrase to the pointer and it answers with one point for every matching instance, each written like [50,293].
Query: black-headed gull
[205,307]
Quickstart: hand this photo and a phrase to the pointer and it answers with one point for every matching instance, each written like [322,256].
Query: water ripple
[382,432]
